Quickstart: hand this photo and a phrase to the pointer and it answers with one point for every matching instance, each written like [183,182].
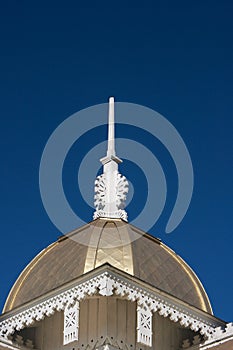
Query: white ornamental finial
[111,129]
[110,187]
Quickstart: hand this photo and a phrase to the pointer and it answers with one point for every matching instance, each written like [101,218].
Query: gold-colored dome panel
[111,244]
[110,241]
[57,264]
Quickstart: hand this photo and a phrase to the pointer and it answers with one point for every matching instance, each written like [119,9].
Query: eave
[106,281]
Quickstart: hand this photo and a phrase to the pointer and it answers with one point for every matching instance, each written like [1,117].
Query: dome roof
[110,241]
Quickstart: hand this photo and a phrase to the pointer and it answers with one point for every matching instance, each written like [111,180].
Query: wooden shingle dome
[110,241]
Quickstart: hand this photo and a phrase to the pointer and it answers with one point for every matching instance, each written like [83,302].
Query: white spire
[111,129]
[111,153]
[110,187]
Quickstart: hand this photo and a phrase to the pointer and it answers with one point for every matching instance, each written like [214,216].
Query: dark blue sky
[173,56]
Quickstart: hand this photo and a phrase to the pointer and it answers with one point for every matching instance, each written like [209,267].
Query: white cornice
[107,281]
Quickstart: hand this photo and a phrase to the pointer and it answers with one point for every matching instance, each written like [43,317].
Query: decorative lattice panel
[71,323]
[144,326]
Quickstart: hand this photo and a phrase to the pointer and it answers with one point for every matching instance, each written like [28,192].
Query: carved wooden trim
[71,323]
[106,284]
[144,326]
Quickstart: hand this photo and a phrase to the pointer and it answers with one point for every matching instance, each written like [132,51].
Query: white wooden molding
[144,325]
[108,283]
[71,323]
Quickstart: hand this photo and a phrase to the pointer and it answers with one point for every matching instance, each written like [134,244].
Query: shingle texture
[121,245]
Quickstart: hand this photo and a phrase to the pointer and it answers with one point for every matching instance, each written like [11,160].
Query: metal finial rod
[111,129]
